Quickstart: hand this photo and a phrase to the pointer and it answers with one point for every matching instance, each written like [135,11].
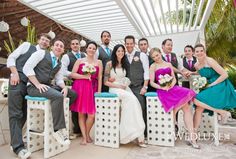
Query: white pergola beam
[169,11]
[177,14]
[199,11]
[207,13]
[191,15]
[184,14]
[162,15]
[155,16]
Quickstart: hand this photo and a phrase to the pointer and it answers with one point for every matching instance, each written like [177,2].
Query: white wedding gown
[131,119]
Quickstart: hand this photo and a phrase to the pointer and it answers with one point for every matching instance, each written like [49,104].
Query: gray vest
[185,64]
[136,71]
[103,57]
[44,71]
[21,60]
[73,59]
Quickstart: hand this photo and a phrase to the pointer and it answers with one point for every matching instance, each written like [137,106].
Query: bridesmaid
[172,97]
[86,85]
[219,93]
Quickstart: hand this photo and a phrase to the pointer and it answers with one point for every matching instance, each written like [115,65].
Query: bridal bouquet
[165,80]
[88,69]
[125,81]
[200,83]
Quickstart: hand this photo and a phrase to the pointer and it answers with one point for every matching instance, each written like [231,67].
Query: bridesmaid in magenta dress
[86,85]
[172,97]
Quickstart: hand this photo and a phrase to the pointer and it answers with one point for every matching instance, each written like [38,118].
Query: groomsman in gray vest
[104,54]
[169,56]
[68,60]
[139,73]
[41,68]
[17,105]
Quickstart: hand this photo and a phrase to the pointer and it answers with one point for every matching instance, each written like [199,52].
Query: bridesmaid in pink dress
[86,85]
[172,97]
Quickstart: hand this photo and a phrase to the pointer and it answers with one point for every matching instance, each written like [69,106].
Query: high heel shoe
[194,145]
[142,144]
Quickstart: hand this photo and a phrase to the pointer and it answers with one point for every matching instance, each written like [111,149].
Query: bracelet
[145,87]
[12,74]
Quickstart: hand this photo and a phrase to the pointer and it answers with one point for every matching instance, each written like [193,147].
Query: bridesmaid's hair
[91,42]
[199,45]
[155,49]
[124,60]
[189,46]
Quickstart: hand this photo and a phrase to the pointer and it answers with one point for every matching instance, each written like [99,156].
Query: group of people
[124,71]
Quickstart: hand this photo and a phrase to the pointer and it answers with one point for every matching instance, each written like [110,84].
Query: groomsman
[17,105]
[188,62]
[169,56]
[139,73]
[41,68]
[104,54]
[68,60]
[143,47]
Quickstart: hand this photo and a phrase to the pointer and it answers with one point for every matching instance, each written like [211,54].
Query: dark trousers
[17,110]
[142,100]
[53,93]
[75,121]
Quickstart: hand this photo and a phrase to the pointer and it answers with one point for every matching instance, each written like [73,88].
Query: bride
[116,78]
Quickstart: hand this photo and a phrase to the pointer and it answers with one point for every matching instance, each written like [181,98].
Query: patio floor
[226,150]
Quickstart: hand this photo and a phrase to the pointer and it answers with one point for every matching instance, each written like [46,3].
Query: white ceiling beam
[125,11]
[177,14]
[207,13]
[145,27]
[191,15]
[199,11]
[169,11]
[105,23]
[103,18]
[155,16]
[184,14]
[162,15]
[149,17]
[101,13]
[43,3]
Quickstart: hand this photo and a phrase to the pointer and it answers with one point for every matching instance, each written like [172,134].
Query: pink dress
[176,96]
[85,89]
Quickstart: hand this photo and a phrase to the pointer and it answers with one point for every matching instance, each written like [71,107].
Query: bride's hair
[124,60]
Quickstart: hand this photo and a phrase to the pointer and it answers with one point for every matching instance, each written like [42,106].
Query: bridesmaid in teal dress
[219,93]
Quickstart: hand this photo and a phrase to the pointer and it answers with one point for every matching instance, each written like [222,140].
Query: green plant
[232,74]
[31,38]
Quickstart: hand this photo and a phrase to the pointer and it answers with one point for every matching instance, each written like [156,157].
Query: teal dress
[220,96]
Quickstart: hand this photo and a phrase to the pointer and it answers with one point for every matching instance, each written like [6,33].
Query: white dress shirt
[65,61]
[33,61]
[22,49]
[144,60]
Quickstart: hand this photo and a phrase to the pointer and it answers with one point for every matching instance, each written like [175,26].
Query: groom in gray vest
[104,54]
[17,105]
[139,73]
[41,68]
[68,60]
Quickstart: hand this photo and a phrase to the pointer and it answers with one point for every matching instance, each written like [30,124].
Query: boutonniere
[136,58]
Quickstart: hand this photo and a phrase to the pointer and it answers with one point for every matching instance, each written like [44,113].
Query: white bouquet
[200,83]
[88,69]
[165,80]
[125,81]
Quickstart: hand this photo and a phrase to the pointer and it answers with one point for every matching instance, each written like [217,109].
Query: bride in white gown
[132,125]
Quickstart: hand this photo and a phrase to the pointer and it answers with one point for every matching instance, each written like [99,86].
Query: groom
[139,74]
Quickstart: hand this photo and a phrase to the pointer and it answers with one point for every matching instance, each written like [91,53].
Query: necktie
[129,58]
[54,61]
[190,63]
[78,56]
[168,57]
[108,51]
